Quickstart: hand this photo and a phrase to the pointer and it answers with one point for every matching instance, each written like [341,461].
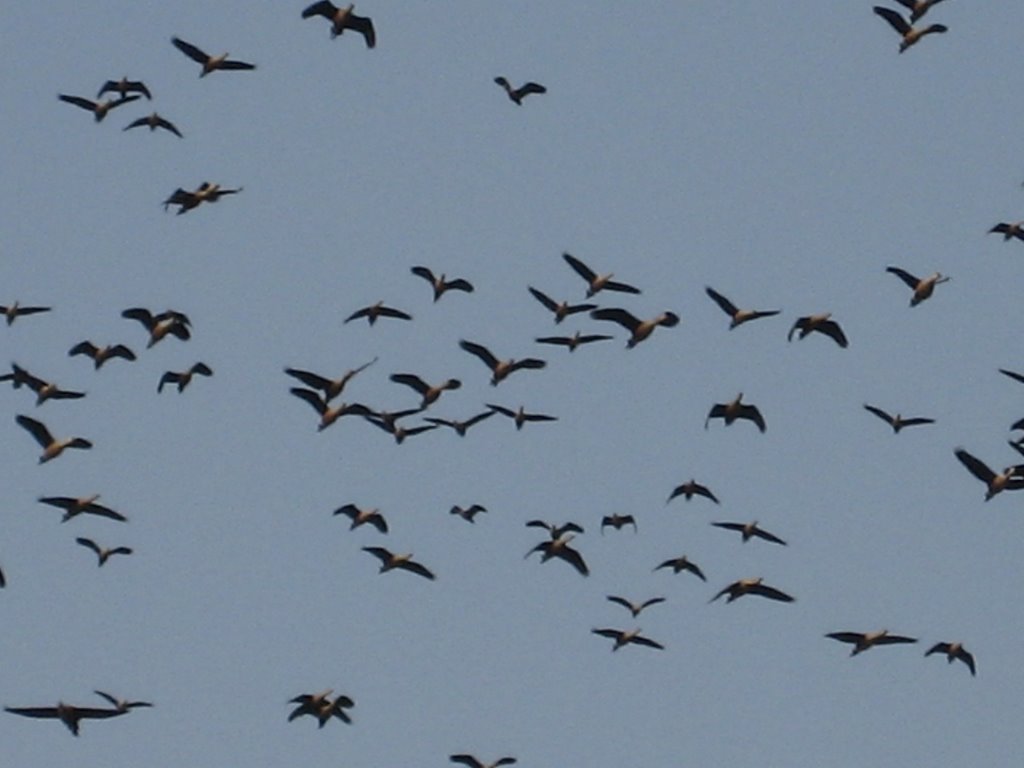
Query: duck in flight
[682,563]
[897,422]
[751,530]
[500,369]
[822,323]
[634,608]
[99,109]
[954,651]
[85,505]
[374,311]
[360,516]
[617,522]
[44,390]
[862,641]
[330,387]
[429,393]
[471,762]
[123,87]
[1010,479]
[68,714]
[154,121]
[559,547]
[12,312]
[752,587]
[460,427]
[735,409]
[183,378]
[102,553]
[692,488]
[1009,230]
[320,706]
[440,283]
[923,287]
[638,329]
[389,561]
[520,416]
[100,355]
[560,309]
[625,637]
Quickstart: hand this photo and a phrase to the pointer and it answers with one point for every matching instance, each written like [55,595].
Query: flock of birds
[322,392]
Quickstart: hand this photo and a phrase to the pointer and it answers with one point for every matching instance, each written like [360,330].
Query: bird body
[617,522]
[638,329]
[389,561]
[736,409]
[689,489]
[910,35]
[430,393]
[52,448]
[440,284]
[320,706]
[520,416]
[461,427]
[954,651]
[560,548]
[84,505]
[467,513]
[634,608]
[154,121]
[560,309]
[862,641]
[342,19]
[374,311]
[99,109]
[751,530]
[100,355]
[44,390]
[500,369]
[572,342]
[897,422]
[209,63]
[625,637]
[822,323]
[518,94]
[752,587]
[68,714]
[471,762]
[596,282]
[183,378]
[123,87]
[12,312]
[737,316]
[328,414]
[102,553]
[682,563]
[360,516]
[330,387]
[923,287]
[1010,479]
[1009,230]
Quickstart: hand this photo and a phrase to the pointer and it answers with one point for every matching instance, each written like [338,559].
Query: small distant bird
[12,312]
[518,94]
[330,387]
[183,378]
[596,282]
[752,587]
[617,522]
[430,393]
[738,316]
[560,309]
[52,448]
[682,563]
[635,608]
[342,19]
[520,416]
[66,713]
[923,287]
[822,324]
[576,340]
[689,489]
[169,322]
[733,410]
[85,505]
[954,651]
[390,561]
[467,513]
[897,422]
[329,415]
[360,516]
[123,87]
[1010,479]
[440,284]
[639,329]
[397,431]
[750,530]
[1009,231]
[99,109]
[372,312]
[100,355]
[122,705]
[559,547]
[917,8]
[472,762]
[555,531]
[862,641]
[500,369]
[44,390]
[389,419]
[204,193]
[154,121]
[102,553]
[318,705]
[209,63]
[624,637]
[460,427]
[909,34]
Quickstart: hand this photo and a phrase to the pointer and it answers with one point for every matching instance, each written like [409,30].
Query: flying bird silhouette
[84,505]
[183,378]
[500,369]
[209,63]
[682,563]
[596,282]
[99,109]
[518,94]
[560,309]
[923,287]
[737,316]
[342,19]
[102,553]
[360,516]
[752,587]
[897,422]
[52,448]
[12,312]
[638,329]
[635,608]
[330,387]
[689,489]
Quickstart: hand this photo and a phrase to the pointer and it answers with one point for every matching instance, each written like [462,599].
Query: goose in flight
[429,393]
[209,63]
[692,488]
[500,369]
[85,505]
[329,415]
[862,641]
[99,109]
[342,19]
[923,287]
[12,312]
[560,548]
[471,762]
[44,390]
[954,651]
[183,378]
[733,410]
[320,706]
[100,355]
[897,422]
[909,34]
[822,323]
[390,561]
[467,513]
[596,282]
[634,608]
[518,94]
[625,637]
[52,448]
[917,8]
[1010,479]
[360,516]
[204,193]
[68,714]
[122,705]
[460,427]
[752,587]
[638,329]
[440,284]
[374,311]
[154,121]
[737,316]
[618,522]
[102,553]
[572,342]
[560,309]
[520,416]
[751,530]
[123,87]
[159,325]
[1009,230]
[330,387]
[555,531]
[682,563]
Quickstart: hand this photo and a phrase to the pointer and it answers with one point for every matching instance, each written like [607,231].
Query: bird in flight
[390,561]
[123,87]
[429,393]
[68,714]
[954,651]
[518,94]
[917,8]
[560,309]
[617,522]
[638,329]
[560,548]
[209,63]
[520,416]
[154,121]
[52,448]
[342,19]
[102,553]
[122,705]
[204,193]
[822,323]
[733,410]
[625,637]
[500,369]
[330,387]
[467,513]
[752,587]
[99,109]
[691,488]
[183,378]
[897,422]
[100,355]
[682,563]
[555,531]
[471,762]
[170,322]
[360,516]
[12,312]
[44,390]
[85,505]
[1010,479]
[320,706]
[923,287]
[460,427]
[737,316]
[440,284]
[596,282]
[910,34]
[1009,230]
[862,641]
[574,341]
[634,608]
[329,415]
[372,312]
[750,530]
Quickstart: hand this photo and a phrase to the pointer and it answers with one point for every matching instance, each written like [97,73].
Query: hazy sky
[783,153]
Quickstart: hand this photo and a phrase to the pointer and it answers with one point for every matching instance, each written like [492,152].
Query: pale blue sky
[784,154]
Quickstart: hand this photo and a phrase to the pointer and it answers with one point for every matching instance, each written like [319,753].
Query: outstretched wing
[903,275]
[481,352]
[35,428]
[189,50]
[620,316]
[894,18]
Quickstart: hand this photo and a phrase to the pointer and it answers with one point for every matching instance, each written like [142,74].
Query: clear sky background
[783,153]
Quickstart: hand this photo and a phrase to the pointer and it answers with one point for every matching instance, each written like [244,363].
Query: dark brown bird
[460,427]
[330,387]
[733,410]
[1010,479]
[99,109]
[909,34]
[638,329]
[154,121]
[917,8]
[500,369]
[430,393]
[12,312]
[749,530]
[372,312]
[318,705]
[596,282]
[85,505]
[66,713]
[467,513]
[183,378]
[635,608]
[752,587]
[209,63]
[342,19]
[472,762]
[822,324]
[100,355]
[571,342]
[123,87]
[1009,231]
[390,561]
[559,547]
[617,522]
[123,705]
[897,422]
[555,531]
[682,563]
[169,322]
[44,390]
[520,416]
[954,651]
[360,516]
[518,94]
[329,415]
[923,287]
[440,284]
[689,489]
[52,448]
[102,553]
[204,193]
[560,309]
[625,637]
[862,641]
[737,316]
